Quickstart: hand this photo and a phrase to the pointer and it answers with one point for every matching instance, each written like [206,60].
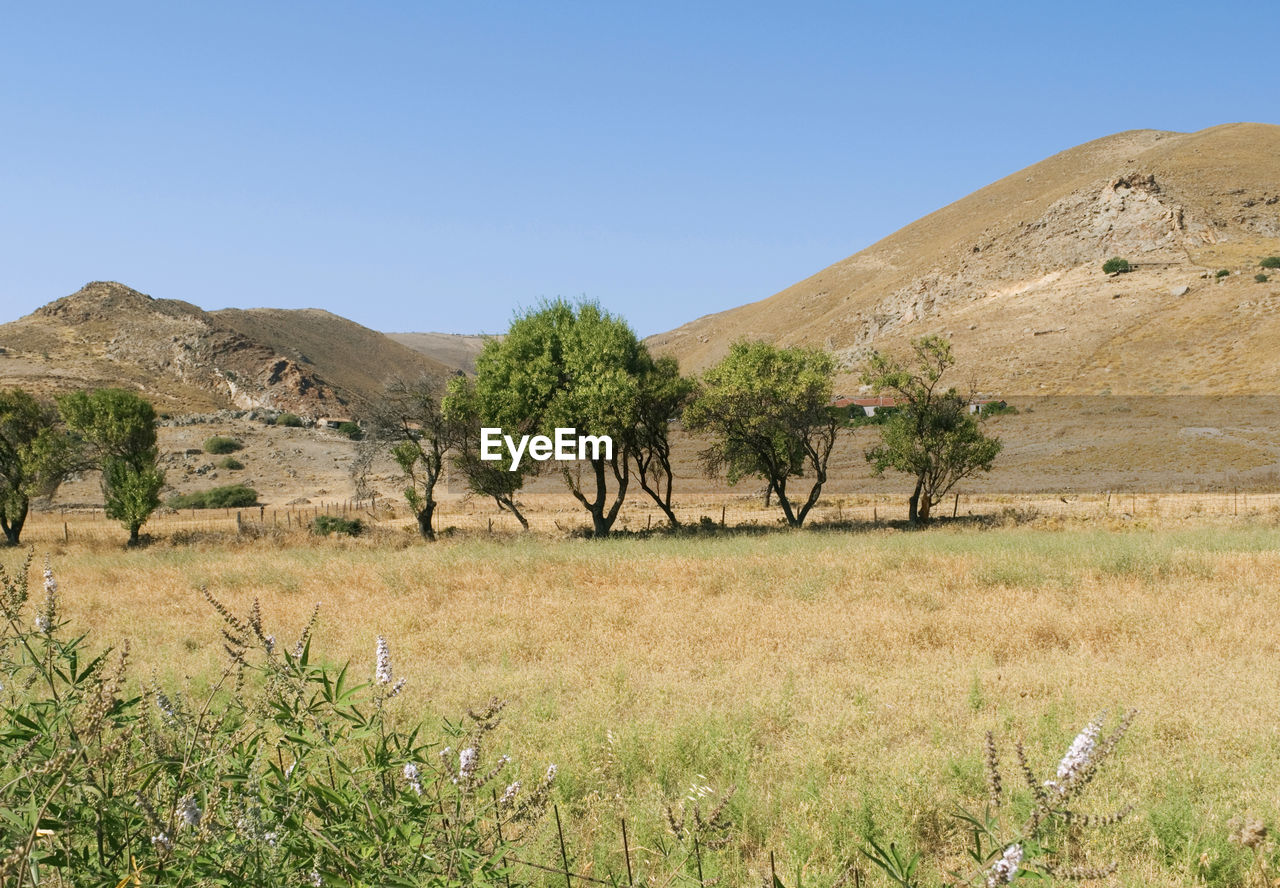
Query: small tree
[662,397]
[35,456]
[931,435]
[1116,265]
[768,412]
[119,428]
[410,426]
[483,477]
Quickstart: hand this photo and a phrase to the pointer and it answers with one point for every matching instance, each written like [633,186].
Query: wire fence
[557,514]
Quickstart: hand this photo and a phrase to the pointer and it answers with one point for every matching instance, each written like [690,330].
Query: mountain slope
[189,360]
[1013,274]
[355,361]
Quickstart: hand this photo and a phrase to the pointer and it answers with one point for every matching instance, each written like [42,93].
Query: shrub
[230,462]
[219,444]
[1261,278]
[998,408]
[286,771]
[1116,265]
[289,420]
[231,496]
[1223,272]
[351,430]
[324,525]
[1270,262]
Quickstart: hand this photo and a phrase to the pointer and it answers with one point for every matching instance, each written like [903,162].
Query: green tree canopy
[35,456]
[767,410]
[482,477]
[566,366]
[931,436]
[119,429]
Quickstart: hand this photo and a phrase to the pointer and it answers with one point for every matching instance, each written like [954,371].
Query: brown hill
[355,361]
[1012,273]
[454,350]
[189,360]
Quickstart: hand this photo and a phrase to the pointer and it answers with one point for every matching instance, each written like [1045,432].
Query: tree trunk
[12,527]
[424,521]
[134,538]
[913,504]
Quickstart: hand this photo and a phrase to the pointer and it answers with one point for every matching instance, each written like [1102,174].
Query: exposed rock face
[107,325]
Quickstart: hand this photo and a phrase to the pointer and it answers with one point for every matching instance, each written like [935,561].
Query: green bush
[230,462]
[1261,278]
[289,420]
[324,525]
[231,496]
[351,430]
[219,444]
[1223,272]
[1116,265]
[999,408]
[286,771]
[1270,262]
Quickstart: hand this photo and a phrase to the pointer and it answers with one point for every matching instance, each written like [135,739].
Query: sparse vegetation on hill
[289,420]
[219,444]
[1270,262]
[1116,265]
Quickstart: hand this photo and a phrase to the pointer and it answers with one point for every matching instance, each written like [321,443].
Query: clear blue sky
[433,166]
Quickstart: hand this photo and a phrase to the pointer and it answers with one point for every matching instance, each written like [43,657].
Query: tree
[663,395]
[562,366]
[35,457]
[931,435]
[768,411]
[119,428]
[483,477]
[410,426]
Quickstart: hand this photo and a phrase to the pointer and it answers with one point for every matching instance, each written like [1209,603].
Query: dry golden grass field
[842,677]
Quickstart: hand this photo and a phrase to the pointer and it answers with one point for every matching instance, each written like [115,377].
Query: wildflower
[467,762]
[270,838]
[315,879]
[270,643]
[161,840]
[46,619]
[1077,758]
[551,774]
[189,811]
[1003,870]
[165,706]
[509,796]
[383,673]
[411,775]
[288,772]
[396,688]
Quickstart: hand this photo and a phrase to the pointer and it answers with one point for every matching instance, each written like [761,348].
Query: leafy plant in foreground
[284,772]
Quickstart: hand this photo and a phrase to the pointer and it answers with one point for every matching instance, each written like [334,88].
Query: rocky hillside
[1013,274]
[188,360]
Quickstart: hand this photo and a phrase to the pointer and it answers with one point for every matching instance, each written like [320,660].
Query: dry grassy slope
[455,350]
[1013,274]
[354,360]
[188,360]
